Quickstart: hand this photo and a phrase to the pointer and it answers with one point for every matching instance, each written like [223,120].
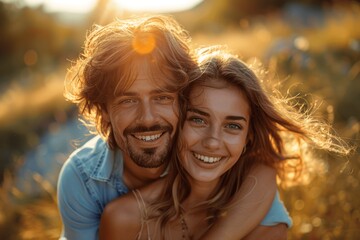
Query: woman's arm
[277,232]
[248,207]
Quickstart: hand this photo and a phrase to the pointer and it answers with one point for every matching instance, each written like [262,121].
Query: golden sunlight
[144,43]
[156,5]
[83,6]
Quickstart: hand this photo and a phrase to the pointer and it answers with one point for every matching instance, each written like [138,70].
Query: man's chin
[149,158]
[150,166]
[149,154]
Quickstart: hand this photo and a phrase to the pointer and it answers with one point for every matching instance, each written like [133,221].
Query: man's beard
[149,157]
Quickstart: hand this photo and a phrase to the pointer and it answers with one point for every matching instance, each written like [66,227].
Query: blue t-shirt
[92,177]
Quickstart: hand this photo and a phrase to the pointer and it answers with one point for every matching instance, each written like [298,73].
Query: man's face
[144,120]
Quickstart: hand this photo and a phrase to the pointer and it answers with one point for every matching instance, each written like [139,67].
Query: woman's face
[215,131]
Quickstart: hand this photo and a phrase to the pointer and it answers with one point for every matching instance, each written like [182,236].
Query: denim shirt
[92,177]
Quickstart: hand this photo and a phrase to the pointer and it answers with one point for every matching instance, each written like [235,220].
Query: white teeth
[149,138]
[207,159]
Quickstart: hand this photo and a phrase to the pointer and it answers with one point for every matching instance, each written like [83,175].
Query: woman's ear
[250,136]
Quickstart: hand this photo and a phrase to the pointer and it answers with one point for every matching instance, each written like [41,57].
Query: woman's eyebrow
[195,110]
[236,118]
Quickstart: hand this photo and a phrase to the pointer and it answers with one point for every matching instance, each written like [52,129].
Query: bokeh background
[311,48]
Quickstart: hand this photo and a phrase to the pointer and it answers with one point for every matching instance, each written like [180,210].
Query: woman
[231,131]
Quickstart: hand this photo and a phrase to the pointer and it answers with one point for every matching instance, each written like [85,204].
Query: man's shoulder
[97,161]
[88,155]
[93,146]
[92,171]
[92,149]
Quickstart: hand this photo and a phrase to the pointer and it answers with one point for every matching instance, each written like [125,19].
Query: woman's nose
[212,140]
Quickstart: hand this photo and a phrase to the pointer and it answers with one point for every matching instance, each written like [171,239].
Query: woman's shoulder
[122,218]
[122,209]
[263,170]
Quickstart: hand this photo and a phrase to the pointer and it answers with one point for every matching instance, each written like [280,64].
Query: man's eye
[128,101]
[164,98]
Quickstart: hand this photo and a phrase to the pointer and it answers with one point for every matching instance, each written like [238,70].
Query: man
[126,85]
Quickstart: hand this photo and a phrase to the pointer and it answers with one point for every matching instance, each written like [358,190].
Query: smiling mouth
[207,159]
[148,138]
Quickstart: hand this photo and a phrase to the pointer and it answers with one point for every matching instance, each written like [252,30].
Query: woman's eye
[197,120]
[234,126]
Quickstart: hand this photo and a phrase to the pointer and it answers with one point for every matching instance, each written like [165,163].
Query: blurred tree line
[33,46]
[233,12]
[32,38]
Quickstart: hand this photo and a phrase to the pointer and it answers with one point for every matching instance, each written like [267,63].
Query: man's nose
[147,114]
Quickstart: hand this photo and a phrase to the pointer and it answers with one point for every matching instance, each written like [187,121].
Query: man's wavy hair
[111,58]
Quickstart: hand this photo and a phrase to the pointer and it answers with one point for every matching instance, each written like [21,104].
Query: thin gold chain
[184,228]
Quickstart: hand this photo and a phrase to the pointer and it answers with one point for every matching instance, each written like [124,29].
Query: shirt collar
[106,163]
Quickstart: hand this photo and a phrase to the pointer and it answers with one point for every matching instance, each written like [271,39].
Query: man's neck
[136,177]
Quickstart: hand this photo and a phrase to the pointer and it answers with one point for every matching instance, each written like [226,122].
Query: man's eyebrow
[195,110]
[132,93]
[128,94]
[160,91]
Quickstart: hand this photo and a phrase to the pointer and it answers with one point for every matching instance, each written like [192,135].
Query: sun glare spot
[144,43]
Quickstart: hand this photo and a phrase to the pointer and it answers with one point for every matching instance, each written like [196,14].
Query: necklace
[184,227]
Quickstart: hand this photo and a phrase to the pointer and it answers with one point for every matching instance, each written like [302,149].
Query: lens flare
[144,43]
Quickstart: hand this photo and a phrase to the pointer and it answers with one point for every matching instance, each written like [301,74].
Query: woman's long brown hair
[274,125]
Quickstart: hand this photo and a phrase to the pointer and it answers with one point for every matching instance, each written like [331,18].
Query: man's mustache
[141,128]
